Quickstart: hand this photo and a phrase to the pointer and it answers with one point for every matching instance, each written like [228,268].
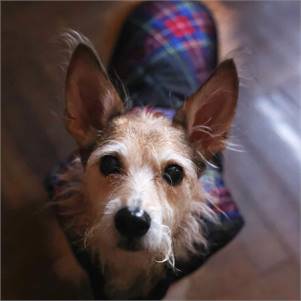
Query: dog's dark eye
[173,174]
[110,165]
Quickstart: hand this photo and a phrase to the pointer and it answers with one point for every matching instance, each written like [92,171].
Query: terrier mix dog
[132,198]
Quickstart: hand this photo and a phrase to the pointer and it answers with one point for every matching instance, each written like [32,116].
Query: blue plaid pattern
[166,50]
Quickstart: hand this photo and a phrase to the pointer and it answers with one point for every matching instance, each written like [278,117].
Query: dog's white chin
[156,244]
[131,273]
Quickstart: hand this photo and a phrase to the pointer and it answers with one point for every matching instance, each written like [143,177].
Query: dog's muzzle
[132,223]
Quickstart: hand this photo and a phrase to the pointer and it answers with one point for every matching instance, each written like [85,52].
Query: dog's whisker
[234,147]
[205,160]
[210,212]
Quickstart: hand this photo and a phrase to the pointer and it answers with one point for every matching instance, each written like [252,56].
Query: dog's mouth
[132,245]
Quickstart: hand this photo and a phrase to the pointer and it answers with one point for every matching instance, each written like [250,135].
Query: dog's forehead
[148,129]
[146,136]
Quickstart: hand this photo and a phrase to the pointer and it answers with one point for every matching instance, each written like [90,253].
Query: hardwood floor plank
[263,128]
[213,282]
[281,283]
[258,237]
[268,197]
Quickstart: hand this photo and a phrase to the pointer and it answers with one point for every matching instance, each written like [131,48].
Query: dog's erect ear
[208,113]
[91,99]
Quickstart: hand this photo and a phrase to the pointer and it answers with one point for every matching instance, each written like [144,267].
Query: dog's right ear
[91,99]
[207,114]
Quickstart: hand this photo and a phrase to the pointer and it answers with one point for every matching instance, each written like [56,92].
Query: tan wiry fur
[145,143]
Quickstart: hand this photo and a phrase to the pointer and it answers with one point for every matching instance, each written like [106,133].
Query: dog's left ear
[91,99]
[208,113]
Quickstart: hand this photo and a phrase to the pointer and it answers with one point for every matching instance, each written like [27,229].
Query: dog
[131,197]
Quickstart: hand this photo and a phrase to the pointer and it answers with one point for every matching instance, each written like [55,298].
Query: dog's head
[140,170]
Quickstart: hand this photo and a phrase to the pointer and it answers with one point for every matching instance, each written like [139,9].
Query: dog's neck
[135,278]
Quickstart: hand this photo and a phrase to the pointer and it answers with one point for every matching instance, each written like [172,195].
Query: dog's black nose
[132,223]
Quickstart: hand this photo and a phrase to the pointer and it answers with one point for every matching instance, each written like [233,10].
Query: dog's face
[141,170]
[140,178]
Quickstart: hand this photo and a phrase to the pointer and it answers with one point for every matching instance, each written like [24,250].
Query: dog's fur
[145,143]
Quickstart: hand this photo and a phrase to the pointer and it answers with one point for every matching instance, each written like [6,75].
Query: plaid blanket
[166,50]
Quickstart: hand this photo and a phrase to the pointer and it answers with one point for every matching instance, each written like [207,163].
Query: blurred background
[263,262]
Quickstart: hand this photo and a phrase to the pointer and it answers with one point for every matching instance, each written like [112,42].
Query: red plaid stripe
[180,26]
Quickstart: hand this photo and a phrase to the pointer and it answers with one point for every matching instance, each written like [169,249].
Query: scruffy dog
[133,198]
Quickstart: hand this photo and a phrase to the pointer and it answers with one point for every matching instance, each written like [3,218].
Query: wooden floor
[263,262]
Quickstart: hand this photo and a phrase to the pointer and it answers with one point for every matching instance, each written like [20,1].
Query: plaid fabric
[166,50]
